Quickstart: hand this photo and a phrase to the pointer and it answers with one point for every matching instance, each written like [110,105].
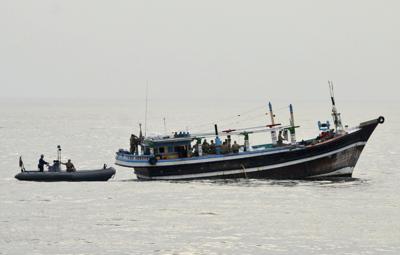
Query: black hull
[335,158]
[79,176]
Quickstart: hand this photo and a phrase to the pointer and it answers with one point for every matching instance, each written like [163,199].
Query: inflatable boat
[79,176]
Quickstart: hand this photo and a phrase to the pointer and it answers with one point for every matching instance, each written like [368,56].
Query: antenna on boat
[292,127]
[146,108]
[141,139]
[59,153]
[273,133]
[165,125]
[335,114]
[140,131]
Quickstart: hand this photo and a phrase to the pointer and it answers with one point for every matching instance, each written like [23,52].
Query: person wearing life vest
[70,166]
[41,164]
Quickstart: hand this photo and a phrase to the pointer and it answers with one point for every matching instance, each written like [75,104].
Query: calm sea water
[125,216]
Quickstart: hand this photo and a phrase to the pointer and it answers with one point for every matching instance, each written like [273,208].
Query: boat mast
[165,125]
[218,142]
[273,133]
[335,114]
[141,139]
[292,127]
[59,153]
[140,131]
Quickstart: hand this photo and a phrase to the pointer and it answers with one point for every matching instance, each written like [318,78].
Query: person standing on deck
[224,147]
[229,144]
[42,162]
[196,148]
[213,149]
[70,166]
[235,147]
[134,142]
[205,147]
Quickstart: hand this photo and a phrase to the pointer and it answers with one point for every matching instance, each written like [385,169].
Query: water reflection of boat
[334,153]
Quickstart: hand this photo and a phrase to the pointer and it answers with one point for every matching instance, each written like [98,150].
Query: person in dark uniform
[229,144]
[70,166]
[41,164]
[134,142]
[205,147]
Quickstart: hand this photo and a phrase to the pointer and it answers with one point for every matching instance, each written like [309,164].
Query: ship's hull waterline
[334,158]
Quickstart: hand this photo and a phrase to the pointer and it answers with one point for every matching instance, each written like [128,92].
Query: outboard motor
[56,167]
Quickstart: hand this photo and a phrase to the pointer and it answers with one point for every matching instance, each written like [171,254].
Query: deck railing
[125,155]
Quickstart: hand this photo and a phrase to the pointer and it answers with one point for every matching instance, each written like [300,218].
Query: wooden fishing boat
[333,153]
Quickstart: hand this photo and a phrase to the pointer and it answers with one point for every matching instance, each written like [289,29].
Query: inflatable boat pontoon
[78,176]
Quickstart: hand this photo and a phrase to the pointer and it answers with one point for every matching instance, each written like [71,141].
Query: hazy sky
[193,49]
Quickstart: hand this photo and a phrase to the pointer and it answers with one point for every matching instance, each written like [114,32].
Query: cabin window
[182,151]
[161,150]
